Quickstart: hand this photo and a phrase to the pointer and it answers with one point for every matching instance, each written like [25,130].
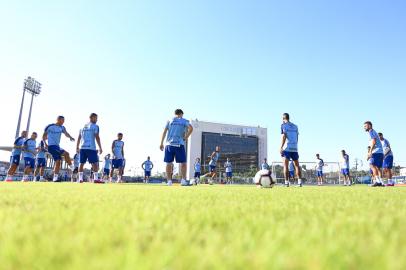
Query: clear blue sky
[331,64]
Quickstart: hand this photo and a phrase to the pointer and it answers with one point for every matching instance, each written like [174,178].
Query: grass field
[72,226]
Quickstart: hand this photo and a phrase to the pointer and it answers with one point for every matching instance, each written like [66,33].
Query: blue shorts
[118,163]
[388,162]
[229,174]
[212,168]
[345,172]
[15,160]
[175,153]
[56,152]
[377,160]
[147,173]
[106,171]
[319,173]
[41,162]
[197,175]
[29,162]
[291,173]
[88,155]
[290,155]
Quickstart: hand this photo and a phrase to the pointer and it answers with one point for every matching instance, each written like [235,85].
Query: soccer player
[265,165]
[289,149]
[86,146]
[176,132]
[198,170]
[375,154]
[345,168]
[41,162]
[147,166]
[16,156]
[117,149]
[319,170]
[387,159]
[291,171]
[52,139]
[107,167]
[214,157]
[29,153]
[229,171]
[76,163]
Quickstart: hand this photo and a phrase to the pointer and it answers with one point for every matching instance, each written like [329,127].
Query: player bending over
[265,165]
[319,170]
[29,153]
[86,147]
[117,148]
[16,156]
[345,168]
[147,166]
[387,159]
[176,132]
[52,139]
[375,154]
[229,171]
[214,158]
[289,148]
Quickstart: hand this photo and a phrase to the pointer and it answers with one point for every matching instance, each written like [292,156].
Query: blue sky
[330,64]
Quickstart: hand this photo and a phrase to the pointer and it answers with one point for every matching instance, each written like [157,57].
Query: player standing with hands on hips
[176,132]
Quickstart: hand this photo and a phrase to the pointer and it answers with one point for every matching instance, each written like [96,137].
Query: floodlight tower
[34,88]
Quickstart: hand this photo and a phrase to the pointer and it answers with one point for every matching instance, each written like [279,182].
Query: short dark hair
[178,112]
[93,115]
[368,123]
[286,116]
[380,134]
[120,134]
[60,117]
[35,133]
[343,151]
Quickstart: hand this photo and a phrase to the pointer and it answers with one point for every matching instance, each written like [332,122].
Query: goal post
[331,171]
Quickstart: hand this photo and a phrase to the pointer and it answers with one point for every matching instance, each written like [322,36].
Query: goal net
[331,171]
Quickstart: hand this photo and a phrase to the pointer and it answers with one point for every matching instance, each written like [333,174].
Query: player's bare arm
[69,136]
[97,136]
[163,138]
[78,143]
[283,142]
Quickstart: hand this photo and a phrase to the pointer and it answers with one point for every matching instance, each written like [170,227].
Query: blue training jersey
[177,129]
[118,149]
[88,134]
[265,166]
[386,147]
[76,160]
[107,163]
[228,166]
[291,166]
[148,165]
[292,137]
[378,145]
[345,162]
[198,167]
[54,132]
[30,146]
[213,161]
[42,151]
[18,142]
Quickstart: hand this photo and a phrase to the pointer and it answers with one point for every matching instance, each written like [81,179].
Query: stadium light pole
[34,88]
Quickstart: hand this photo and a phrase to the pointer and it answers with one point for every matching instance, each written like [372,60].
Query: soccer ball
[263,179]
[211,182]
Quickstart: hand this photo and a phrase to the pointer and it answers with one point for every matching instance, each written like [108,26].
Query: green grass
[72,226]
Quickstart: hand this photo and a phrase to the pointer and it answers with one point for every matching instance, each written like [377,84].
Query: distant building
[246,146]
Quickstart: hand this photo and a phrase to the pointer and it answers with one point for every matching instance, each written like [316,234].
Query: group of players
[86,151]
[173,140]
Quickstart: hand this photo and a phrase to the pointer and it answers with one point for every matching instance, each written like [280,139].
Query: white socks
[95,176]
[80,177]
[56,177]
[299,181]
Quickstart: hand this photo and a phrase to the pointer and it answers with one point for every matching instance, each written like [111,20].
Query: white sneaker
[169,183]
